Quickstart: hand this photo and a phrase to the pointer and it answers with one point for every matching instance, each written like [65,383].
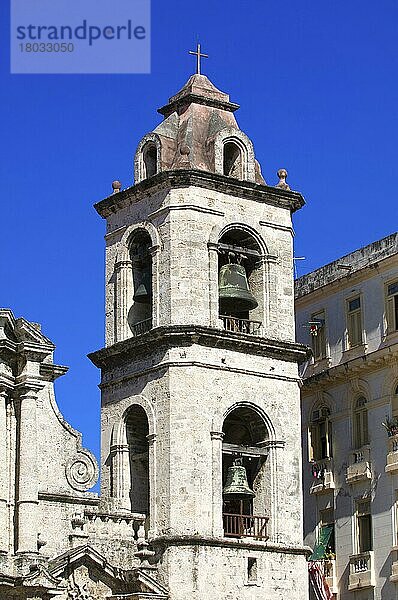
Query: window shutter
[365,431]
[394,404]
[322,343]
[357,430]
[315,442]
[358,327]
[365,533]
[351,330]
[330,441]
[390,315]
[354,328]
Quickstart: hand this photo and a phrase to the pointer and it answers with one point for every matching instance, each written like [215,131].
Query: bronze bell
[237,485]
[143,293]
[234,292]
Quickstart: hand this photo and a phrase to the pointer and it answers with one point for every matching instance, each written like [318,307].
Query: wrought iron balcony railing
[241,325]
[236,525]
[141,327]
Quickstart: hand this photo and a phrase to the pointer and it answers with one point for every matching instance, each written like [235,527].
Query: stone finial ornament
[116,186]
[282,174]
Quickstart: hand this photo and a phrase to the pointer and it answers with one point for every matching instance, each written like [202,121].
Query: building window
[394,404]
[317,330]
[251,570]
[395,518]
[354,322]
[361,430]
[320,434]
[364,526]
[325,548]
[392,306]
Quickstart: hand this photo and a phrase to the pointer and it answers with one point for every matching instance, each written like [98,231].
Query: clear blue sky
[318,86]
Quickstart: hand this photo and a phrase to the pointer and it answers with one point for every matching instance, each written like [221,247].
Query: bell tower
[200,386]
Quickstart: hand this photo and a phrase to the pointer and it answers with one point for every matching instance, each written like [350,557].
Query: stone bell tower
[200,385]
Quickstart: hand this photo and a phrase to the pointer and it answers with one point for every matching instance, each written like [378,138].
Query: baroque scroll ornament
[82,471]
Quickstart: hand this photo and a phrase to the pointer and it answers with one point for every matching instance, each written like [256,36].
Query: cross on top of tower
[198,55]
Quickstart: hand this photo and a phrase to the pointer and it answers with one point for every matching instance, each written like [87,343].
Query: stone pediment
[40,578]
[31,333]
[89,576]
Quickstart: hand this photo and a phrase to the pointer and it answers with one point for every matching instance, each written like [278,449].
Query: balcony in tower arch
[240,283]
[140,313]
[245,469]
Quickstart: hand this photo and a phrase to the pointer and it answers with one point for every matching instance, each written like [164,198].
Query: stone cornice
[8,348]
[352,368]
[51,372]
[185,178]
[165,365]
[34,351]
[186,335]
[180,103]
[196,540]
[348,268]
[26,385]
[85,498]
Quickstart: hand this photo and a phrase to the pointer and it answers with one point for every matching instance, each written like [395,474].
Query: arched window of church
[140,313]
[240,282]
[150,157]
[232,160]
[320,434]
[137,431]
[247,480]
[361,430]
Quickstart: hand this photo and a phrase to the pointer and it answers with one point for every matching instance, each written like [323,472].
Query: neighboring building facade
[200,474]
[348,312]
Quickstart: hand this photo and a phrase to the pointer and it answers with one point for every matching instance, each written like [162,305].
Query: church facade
[200,402]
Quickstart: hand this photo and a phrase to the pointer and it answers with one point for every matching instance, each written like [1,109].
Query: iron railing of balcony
[241,325]
[236,525]
[141,327]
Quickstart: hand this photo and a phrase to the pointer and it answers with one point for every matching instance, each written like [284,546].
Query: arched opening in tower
[232,160]
[137,430]
[140,313]
[240,279]
[246,475]
[150,156]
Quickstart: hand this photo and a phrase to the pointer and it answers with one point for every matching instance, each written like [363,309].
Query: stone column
[216,438]
[152,484]
[154,252]
[4,473]
[271,314]
[213,285]
[28,480]
[124,285]
[121,476]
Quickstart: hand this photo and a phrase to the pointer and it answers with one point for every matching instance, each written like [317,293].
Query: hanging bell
[234,292]
[237,485]
[143,292]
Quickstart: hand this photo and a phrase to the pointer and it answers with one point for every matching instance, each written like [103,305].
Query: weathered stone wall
[206,571]
[184,221]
